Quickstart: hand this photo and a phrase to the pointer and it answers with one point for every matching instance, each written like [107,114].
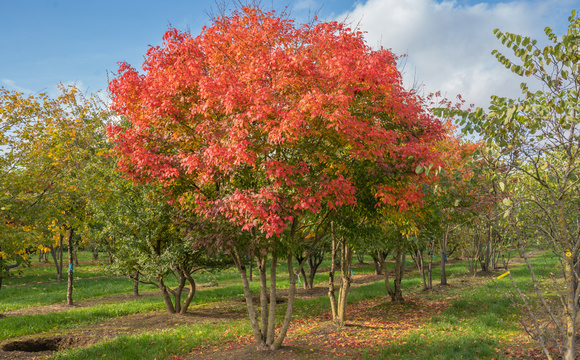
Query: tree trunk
[378,261]
[571,307]
[69,291]
[95,253]
[305,284]
[54,254]
[333,305]
[166,295]
[396,292]
[136,284]
[429,268]
[191,293]
[314,261]
[272,310]
[60,254]
[443,244]
[263,297]
[76,257]
[1,268]
[346,261]
[300,257]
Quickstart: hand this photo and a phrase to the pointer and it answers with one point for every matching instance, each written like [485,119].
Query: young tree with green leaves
[538,137]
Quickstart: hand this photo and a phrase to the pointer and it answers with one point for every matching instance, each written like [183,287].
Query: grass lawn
[471,319]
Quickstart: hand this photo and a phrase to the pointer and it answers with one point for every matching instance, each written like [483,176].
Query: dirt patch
[53,343]
[40,347]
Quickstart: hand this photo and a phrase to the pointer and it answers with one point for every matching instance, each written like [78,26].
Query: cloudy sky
[447,44]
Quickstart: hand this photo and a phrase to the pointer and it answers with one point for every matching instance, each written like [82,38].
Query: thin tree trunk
[571,308]
[346,261]
[166,296]
[399,270]
[60,254]
[291,296]
[1,268]
[136,284]
[258,336]
[378,262]
[305,285]
[191,294]
[333,305]
[95,253]
[444,257]
[263,298]
[271,333]
[430,266]
[76,257]
[69,291]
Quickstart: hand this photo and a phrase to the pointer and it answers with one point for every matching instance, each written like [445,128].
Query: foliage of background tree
[538,138]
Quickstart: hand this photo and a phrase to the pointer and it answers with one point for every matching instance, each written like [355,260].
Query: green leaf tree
[538,137]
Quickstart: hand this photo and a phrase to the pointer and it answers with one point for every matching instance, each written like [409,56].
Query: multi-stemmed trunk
[314,261]
[264,329]
[175,306]
[338,306]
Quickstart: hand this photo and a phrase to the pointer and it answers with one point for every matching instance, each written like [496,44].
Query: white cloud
[449,45]
[11,85]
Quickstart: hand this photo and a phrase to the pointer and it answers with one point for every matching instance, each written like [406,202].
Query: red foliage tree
[258,121]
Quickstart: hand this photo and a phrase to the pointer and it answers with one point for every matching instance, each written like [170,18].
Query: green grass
[161,344]
[478,320]
[30,324]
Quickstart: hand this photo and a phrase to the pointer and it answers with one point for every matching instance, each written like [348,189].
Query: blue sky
[46,42]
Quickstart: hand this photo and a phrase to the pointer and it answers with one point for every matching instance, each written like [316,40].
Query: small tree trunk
[396,292]
[291,296]
[360,257]
[69,292]
[314,261]
[430,266]
[251,268]
[166,296]
[263,297]
[272,310]
[443,246]
[136,284]
[378,262]
[346,261]
[191,293]
[333,305]
[260,341]
[95,253]
[305,284]
[399,271]
[1,268]
[76,257]
[571,308]
[60,254]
